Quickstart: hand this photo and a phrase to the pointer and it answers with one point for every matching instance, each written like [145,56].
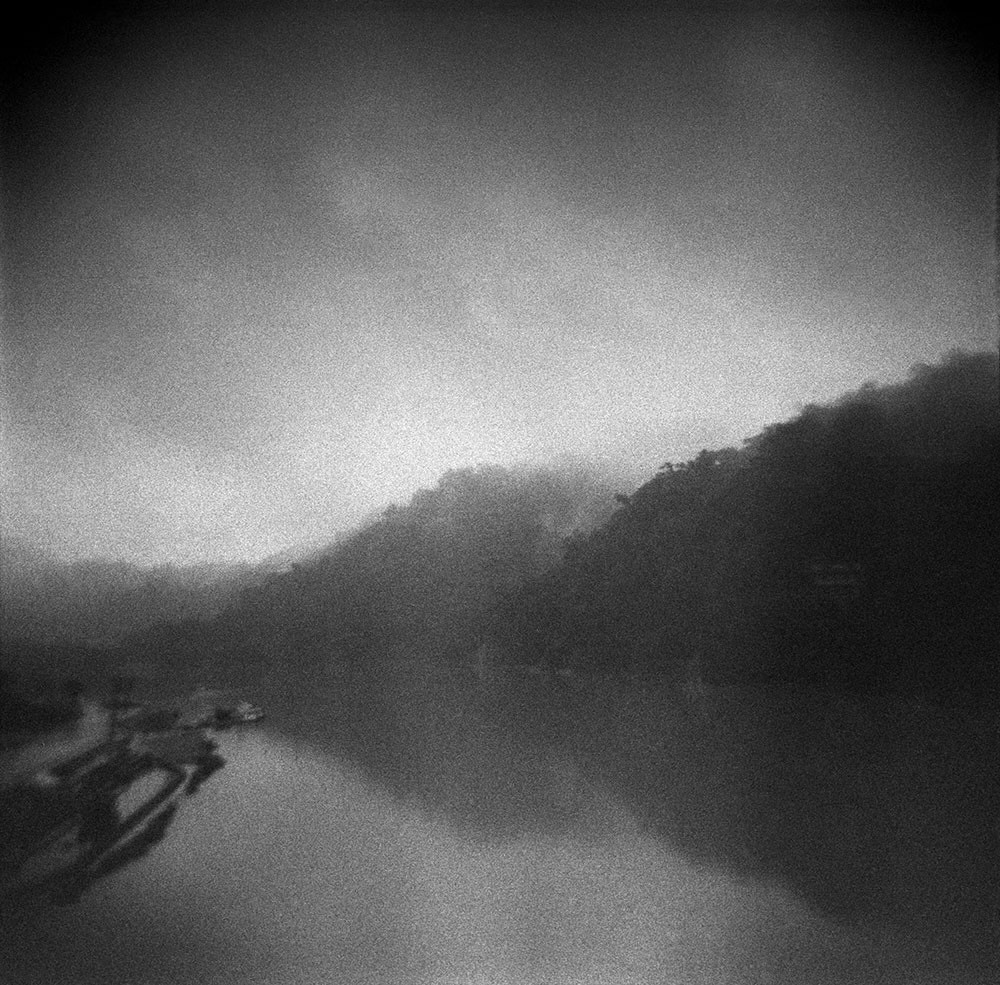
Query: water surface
[291,866]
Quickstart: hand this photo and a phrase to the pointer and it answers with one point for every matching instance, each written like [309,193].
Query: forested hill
[854,545]
[425,577]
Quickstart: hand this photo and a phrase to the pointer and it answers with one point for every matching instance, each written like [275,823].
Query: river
[292,867]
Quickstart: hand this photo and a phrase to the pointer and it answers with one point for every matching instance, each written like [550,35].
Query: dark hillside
[428,576]
[854,546]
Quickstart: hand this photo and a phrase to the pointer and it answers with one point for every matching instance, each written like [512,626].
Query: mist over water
[292,867]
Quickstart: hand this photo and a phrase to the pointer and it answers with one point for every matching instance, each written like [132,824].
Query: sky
[268,267]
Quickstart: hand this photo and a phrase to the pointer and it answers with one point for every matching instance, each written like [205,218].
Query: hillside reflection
[875,810]
[295,869]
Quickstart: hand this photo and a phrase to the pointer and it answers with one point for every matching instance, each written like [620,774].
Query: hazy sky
[268,269]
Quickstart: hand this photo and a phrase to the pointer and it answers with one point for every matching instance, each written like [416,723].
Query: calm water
[291,867]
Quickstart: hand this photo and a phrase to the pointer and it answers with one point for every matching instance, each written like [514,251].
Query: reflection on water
[291,867]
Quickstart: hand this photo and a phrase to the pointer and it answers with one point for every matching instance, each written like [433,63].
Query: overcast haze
[264,272]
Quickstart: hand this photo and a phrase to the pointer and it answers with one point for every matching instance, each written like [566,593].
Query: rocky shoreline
[69,805]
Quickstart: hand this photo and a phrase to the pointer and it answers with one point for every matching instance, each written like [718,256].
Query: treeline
[854,545]
[426,577]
